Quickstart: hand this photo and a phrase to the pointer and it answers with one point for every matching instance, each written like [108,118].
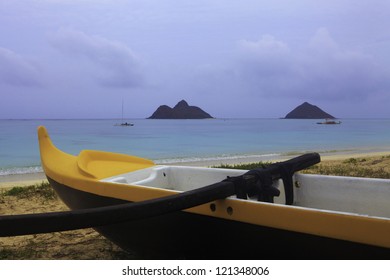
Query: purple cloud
[15,70]
[322,70]
[118,66]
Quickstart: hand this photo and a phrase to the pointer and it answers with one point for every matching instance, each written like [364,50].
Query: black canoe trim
[13,225]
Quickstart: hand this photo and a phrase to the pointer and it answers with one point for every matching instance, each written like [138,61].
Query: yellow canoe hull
[227,228]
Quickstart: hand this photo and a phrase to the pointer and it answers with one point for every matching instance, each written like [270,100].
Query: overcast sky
[79,59]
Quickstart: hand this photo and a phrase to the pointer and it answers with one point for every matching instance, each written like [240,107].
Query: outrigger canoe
[159,211]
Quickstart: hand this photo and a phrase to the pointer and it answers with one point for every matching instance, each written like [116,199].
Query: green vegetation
[355,167]
[42,190]
[244,166]
[348,169]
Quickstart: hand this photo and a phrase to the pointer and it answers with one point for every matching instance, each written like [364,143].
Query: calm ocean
[167,141]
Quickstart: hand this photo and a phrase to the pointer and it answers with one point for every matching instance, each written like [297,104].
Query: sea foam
[20,170]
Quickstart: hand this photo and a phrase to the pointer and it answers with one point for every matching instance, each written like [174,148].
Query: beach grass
[370,167]
[42,190]
[244,166]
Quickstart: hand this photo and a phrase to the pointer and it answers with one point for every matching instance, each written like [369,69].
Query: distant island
[308,111]
[181,111]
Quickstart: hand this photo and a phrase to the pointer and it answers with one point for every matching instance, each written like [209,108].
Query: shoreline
[9,181]
[21,180]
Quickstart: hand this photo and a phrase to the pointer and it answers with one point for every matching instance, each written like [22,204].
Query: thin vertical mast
[122,109]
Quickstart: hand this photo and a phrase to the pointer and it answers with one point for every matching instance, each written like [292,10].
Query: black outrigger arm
[257,182]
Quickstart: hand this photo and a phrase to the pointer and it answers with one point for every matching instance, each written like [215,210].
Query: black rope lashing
[264,188]
[240,186]
[260,182]
[260,185]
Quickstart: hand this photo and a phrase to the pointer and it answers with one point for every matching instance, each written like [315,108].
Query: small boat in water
[329,121]
[124,124]
[162,211]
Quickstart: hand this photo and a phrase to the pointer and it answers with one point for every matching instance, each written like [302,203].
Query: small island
[181,111]
[308,111]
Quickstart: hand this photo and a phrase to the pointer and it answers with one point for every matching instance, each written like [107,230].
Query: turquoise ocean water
[166,141]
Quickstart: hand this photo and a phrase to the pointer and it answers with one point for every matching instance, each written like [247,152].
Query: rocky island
[308,111]
[181,111]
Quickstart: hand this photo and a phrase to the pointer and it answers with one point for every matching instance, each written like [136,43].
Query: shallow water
[166,141]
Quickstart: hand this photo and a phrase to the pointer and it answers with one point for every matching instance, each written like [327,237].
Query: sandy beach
[19,180]
[87,243]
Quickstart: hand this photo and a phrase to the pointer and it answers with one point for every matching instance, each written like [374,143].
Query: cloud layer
[117,65]
[322,69]
[233,57]
[15,70]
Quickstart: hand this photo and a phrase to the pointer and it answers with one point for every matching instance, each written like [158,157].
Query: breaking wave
[20,170]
